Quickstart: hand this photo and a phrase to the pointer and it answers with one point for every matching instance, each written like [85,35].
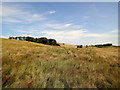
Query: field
[32,65]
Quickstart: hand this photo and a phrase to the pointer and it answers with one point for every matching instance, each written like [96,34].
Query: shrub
[51,41]
[79,46]
[103,45]
[30,39]
[57,45]
[43,40]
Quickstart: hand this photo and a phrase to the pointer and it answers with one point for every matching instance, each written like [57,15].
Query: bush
[57,45]
[103,45]
[86,46]
[52,42]
[30,39]
[43,40]
[79,46]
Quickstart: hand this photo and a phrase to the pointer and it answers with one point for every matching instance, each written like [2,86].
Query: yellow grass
[67,45]
[32,65]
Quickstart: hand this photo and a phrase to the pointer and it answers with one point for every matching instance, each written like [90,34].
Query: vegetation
[103,45]
[42,40]
[79,46]
[33,65]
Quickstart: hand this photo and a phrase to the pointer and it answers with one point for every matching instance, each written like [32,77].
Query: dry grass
[32,65]
[67,45]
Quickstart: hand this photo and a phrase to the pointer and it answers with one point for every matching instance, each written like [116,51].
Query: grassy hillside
[32,65]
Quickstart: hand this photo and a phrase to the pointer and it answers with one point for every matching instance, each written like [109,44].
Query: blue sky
[67,22]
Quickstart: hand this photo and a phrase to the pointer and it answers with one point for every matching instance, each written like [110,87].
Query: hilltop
[33,65]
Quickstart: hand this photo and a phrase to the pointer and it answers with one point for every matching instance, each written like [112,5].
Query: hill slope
[32,65]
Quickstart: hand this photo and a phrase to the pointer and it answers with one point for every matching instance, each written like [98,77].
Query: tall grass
[32,65]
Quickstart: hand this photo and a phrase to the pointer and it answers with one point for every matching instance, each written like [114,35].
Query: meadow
[33,65]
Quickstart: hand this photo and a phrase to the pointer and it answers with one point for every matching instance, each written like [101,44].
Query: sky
[76,23]
[61,1]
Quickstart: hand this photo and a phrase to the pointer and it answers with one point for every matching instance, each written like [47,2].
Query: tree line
[103,45]
[98,45]
[42,40]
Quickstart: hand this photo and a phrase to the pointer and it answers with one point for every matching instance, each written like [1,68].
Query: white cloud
[92,35]
[69,34]
[67,25]
[11,20]
[30,31]
[63,26]
[26,35]
[48,12]
[2,36]
[10,11]
[13,14]
[80,36]
[114,31]
[52,12]
[35,17]
[25,31]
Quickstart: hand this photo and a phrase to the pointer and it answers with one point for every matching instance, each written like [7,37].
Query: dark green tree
[79,46]
[52,42]
[30,39]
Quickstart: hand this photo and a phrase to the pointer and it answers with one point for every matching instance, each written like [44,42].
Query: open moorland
[33,65]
